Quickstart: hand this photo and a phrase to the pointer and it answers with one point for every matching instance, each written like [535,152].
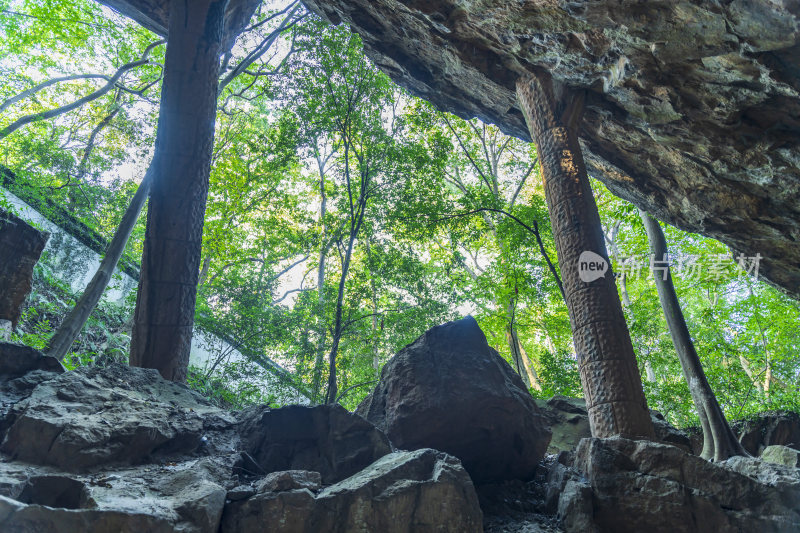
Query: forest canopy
[345,217]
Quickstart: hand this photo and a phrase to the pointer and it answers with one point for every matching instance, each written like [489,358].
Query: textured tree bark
[719,442]
[162,332]
[67,332]
[610,377]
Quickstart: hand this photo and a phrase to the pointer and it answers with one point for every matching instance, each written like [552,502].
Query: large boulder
[326,439]
[20,247]
[403,492]
[122,449]
[633,486]
[450,391]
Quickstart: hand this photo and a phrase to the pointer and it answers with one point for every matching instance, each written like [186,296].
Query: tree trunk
[162,332]
[337,328]
[316,380]
[72,325]
[719,442]
[521,360]
[610,376]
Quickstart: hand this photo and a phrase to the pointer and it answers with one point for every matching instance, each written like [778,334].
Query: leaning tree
[609,374]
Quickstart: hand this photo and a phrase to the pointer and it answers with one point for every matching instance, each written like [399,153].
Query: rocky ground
[120,449]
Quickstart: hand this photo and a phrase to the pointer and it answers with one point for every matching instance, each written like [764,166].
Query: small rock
[289,480]
[782,455]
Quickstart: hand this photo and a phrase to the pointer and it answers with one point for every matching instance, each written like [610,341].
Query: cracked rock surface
[692,108]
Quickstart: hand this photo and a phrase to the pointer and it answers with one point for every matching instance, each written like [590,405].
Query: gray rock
[774,427]
[289,480]
[21,518]
[782,455]
[183,497]
[568,420]
[326,439]
[569,423]
[403,492]
[636,486]
[17,360]
[692,108]
[21,369]
[114,415]
[450,391]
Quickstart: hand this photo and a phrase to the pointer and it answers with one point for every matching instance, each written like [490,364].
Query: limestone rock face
[20,247]
[403,492]
[635,486]
[450,391]
[692,109]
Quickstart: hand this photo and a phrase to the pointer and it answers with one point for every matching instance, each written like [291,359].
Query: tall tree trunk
[610,376]
[316,380]
[69,329]
[337,327]
[719,442]
[162,332]
[376,354]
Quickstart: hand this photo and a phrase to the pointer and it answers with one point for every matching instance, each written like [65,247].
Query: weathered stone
[20,247]
[668,434]
[289,480]
[423,490]
[325,439]
[118,414]
[634,486]
[121,449]
[569,423]
[450,391]
[776,427]
[17,359]
[184,497]
[21,369]
[692,109]
[782,455]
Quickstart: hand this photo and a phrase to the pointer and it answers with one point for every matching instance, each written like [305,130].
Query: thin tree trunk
[376,359]
[610,376]
[316,380]
[521,359]
[337,328]
[162,332]
[719,442]
[72,325]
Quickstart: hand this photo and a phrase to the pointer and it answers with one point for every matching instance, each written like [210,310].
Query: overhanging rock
[693,108]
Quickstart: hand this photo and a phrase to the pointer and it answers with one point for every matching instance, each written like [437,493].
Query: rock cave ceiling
[692,107]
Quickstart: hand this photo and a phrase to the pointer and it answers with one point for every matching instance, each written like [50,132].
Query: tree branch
[112,81]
